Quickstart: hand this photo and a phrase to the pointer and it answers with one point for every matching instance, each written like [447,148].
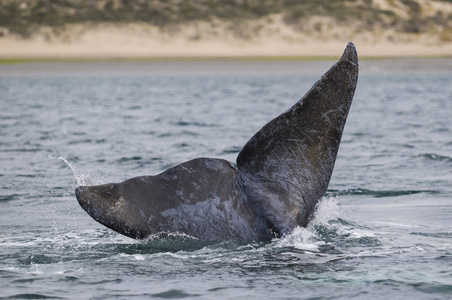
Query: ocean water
[383,231]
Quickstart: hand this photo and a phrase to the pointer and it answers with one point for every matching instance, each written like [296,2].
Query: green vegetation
[191,58]
[25,17]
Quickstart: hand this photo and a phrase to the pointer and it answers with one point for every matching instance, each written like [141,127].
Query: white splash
[82,178]
[307,238]
[327,209]
[301,238]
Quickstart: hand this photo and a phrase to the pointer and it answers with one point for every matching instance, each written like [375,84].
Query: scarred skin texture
[282,172]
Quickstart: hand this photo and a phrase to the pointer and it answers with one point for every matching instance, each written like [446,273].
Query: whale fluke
[281,174]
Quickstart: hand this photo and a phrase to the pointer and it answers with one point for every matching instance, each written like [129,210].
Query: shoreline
[4,59]
[117,46]
[162,59]
[216,67]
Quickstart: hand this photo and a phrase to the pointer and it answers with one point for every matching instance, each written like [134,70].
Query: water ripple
[436,157]
[379,194]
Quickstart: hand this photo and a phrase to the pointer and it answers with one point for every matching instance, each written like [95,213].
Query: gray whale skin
[282,172]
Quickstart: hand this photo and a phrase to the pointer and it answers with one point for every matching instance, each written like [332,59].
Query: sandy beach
[199,41]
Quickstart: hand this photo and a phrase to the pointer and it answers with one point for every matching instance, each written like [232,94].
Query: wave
[177,134]
[5,198]
[378,194]
[196,124]
[127,159]
[231,150]
[446,235]
[30,296]
[23,150]
[436,157]
[87,141]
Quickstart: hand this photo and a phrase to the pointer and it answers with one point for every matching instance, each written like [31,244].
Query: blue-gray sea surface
[383,231]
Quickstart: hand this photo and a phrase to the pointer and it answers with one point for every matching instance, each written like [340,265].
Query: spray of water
[307,238]
[82,178]
[327,209]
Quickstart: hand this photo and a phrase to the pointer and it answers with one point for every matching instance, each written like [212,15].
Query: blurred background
[226,28]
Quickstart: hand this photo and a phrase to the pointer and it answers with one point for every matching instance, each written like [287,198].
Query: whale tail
[200,197]
[292,157]
[283,171]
